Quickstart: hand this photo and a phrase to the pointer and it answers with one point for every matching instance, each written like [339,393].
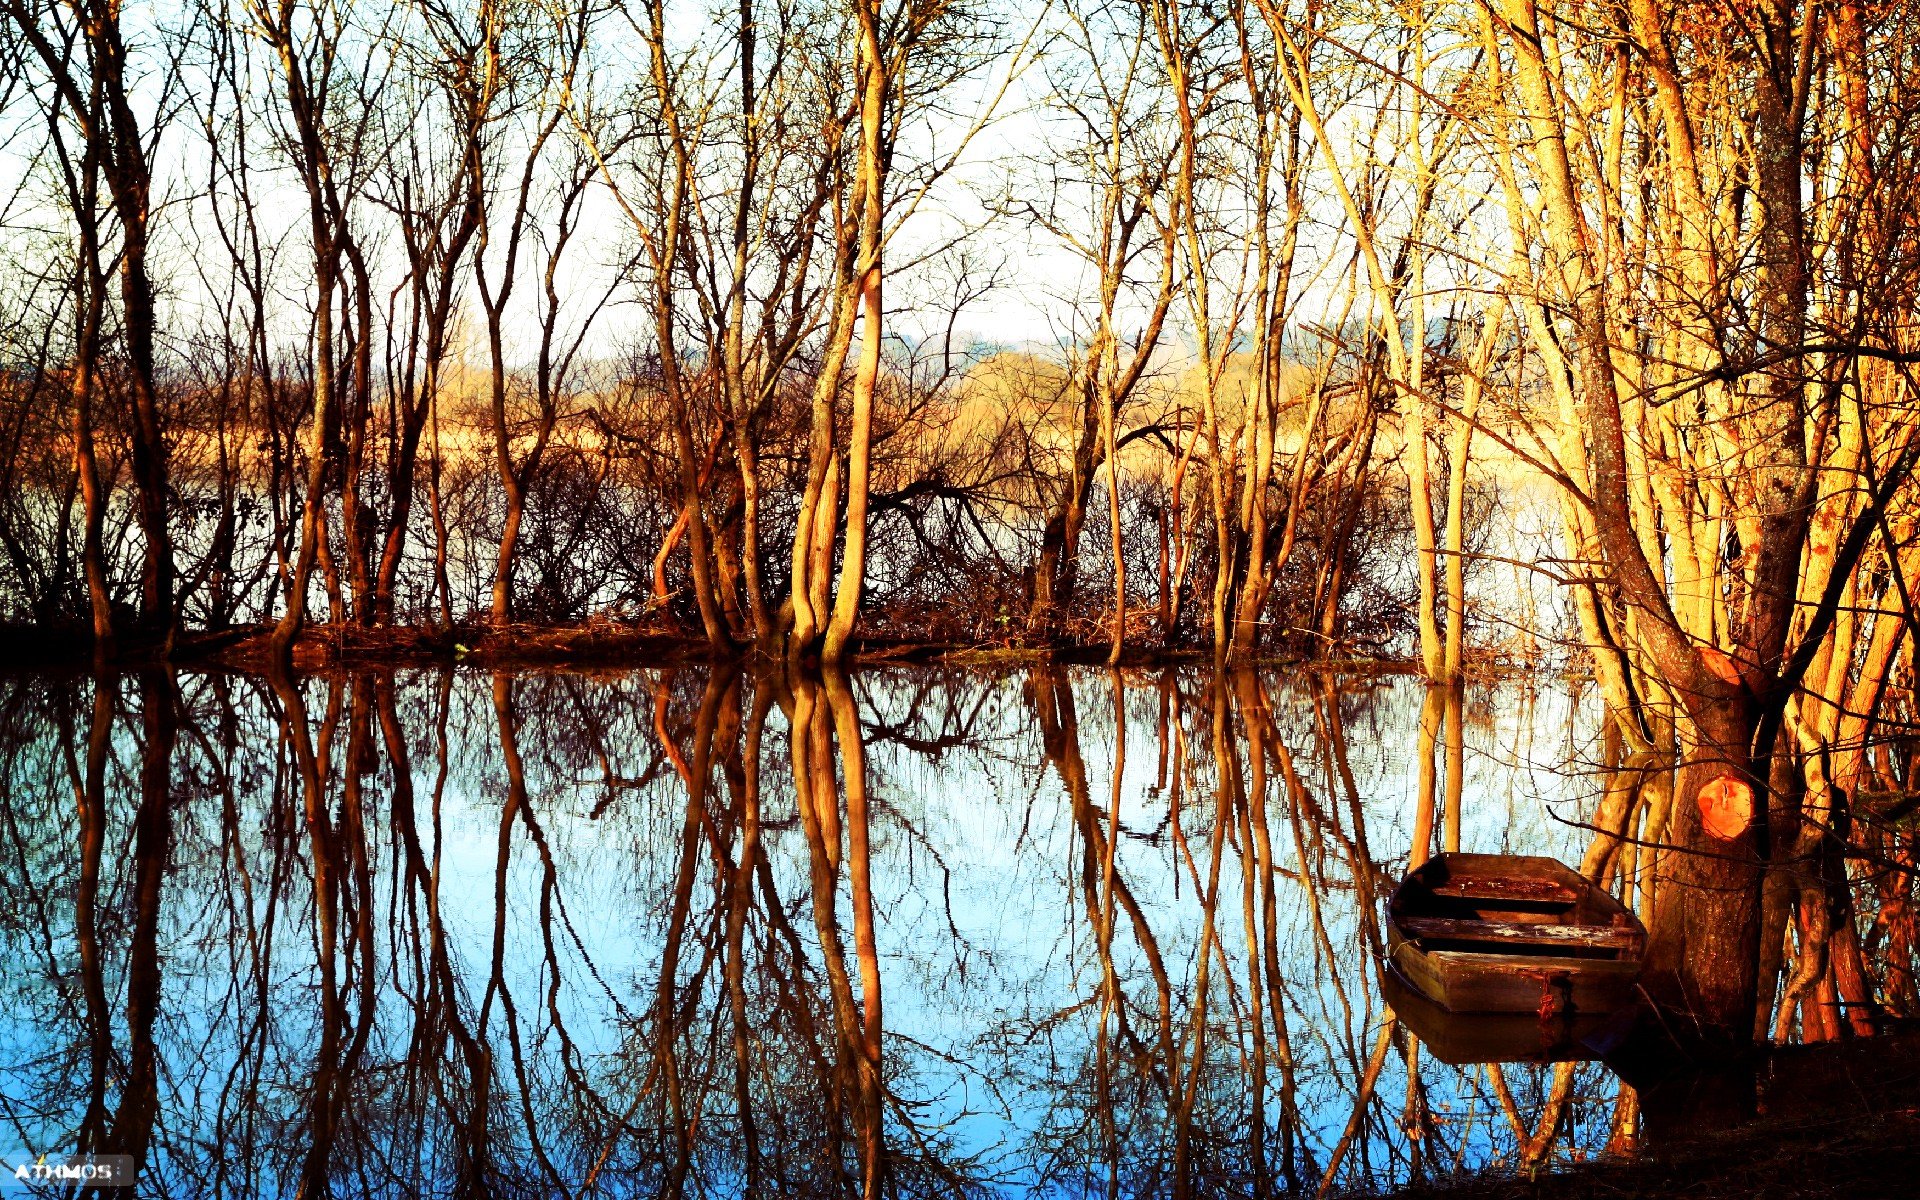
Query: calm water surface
[692,932]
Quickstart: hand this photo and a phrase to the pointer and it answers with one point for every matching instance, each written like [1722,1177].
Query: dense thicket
[413,315]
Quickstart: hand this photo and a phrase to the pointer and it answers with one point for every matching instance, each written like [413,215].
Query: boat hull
[1466,982]
[1463,1039]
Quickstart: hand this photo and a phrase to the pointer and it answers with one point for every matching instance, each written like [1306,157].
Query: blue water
[496,1021]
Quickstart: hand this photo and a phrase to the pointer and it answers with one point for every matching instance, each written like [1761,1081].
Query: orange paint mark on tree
[1726,807]
[1722,665]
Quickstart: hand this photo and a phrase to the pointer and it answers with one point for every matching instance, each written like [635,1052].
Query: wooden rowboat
[1501,933]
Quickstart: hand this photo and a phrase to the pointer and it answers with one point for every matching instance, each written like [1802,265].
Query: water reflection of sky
[983,904]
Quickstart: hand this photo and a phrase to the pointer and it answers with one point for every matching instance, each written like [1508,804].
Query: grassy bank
[1860,1157]
[1839,1119]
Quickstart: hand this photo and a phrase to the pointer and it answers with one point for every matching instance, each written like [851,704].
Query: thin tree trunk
[870,185]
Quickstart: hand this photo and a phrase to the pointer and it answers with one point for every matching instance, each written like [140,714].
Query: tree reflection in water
[701,932]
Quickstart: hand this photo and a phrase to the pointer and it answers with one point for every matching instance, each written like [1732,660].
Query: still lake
[1045,931]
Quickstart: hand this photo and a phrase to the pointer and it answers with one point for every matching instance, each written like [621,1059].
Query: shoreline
[327,648]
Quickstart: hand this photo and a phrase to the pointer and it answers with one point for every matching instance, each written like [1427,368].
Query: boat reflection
[1468,1039]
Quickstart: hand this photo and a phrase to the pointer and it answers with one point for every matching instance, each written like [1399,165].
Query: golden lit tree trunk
[1458,456]
[870,190]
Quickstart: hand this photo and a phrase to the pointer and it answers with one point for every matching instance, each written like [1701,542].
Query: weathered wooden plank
[1533,891]
[1490,983]
[1422,973]
[1601,937]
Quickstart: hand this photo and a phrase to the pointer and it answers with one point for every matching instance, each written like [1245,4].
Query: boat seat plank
[1543,891]
[1601,937]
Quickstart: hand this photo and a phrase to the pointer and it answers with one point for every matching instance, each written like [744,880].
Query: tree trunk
[871,188]
[1056,569]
